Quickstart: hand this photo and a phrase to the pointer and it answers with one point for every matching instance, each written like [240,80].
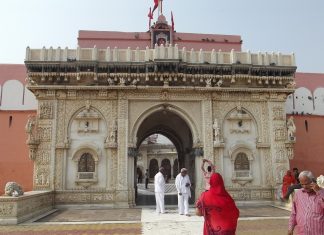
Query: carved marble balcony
[168,67]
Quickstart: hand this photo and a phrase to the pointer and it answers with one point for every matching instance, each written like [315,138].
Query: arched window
[175,168]
[241,162]
[153,168]
[167,167]
[86,163]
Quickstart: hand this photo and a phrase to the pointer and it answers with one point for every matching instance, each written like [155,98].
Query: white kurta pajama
[183,199]
[159,189]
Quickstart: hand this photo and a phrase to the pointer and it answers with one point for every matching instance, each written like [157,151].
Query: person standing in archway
[159,189]
[146,178]
[183,184]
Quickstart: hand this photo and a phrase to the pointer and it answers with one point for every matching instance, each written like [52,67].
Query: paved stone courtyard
[254,220]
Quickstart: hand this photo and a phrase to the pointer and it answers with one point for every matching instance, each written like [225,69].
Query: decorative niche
[241,158]
[86,161]
[88,121]
[239,122]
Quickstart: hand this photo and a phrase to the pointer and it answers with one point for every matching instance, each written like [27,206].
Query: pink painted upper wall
[12,72]
[104,39]
[15,164]
[309,147]
[311,81]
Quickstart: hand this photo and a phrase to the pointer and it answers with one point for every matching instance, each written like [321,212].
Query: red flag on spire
[150,16]
[156,4]
[172,21]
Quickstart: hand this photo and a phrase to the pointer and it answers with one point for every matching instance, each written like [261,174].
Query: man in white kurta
[159,189]
[183,184]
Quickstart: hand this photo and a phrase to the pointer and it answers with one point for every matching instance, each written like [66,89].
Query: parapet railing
[168,52]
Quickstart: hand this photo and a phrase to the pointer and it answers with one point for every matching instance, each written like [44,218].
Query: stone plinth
[14,210]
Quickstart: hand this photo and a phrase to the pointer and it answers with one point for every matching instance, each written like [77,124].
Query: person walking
[159,189]
[307,211]
[218,208]
[182,183]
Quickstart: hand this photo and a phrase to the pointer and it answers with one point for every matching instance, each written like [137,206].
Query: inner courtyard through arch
[172,152]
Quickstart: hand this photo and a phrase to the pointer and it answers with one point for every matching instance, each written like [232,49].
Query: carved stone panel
[46,110]
[280,133]
[278,113]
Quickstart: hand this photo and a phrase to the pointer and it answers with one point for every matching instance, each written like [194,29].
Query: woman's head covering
[221,213]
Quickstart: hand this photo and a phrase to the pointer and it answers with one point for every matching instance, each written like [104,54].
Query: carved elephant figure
[13,189]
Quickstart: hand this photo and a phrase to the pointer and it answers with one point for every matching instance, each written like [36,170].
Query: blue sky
[278,25]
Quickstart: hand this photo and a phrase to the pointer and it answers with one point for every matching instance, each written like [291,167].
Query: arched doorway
[175,168]
[176,129]
[167,168]
[153,168]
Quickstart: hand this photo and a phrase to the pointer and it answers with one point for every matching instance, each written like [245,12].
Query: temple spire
[160,12]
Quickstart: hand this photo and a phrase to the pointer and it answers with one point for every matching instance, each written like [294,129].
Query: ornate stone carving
[13,189]
[291,129]
[72,93]
[240,121]
[268,169]
[280,133]
[32,140]
[278,113]
[217,131]
[207,115]
[290,153]
[290,149]
[6,209]
[88,121]
[280,172]
[58,169]
[46,110]
[280,156]
[45,133]
[84,197]
[291,85]
[122,150]
[43,157]
[41,180]
[164,95]
[113,133]
[30,129]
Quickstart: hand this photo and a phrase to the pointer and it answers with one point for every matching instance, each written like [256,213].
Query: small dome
[161,19]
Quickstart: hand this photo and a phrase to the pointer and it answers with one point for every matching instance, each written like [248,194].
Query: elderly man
[183,184]
[159,188]
[307,214]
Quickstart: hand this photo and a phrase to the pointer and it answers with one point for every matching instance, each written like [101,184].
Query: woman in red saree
[218,208]
[288,180]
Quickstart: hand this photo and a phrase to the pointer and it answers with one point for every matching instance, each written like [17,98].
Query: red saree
[288,180]
[218,208]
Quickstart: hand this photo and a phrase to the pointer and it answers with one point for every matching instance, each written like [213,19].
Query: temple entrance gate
[95,110]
